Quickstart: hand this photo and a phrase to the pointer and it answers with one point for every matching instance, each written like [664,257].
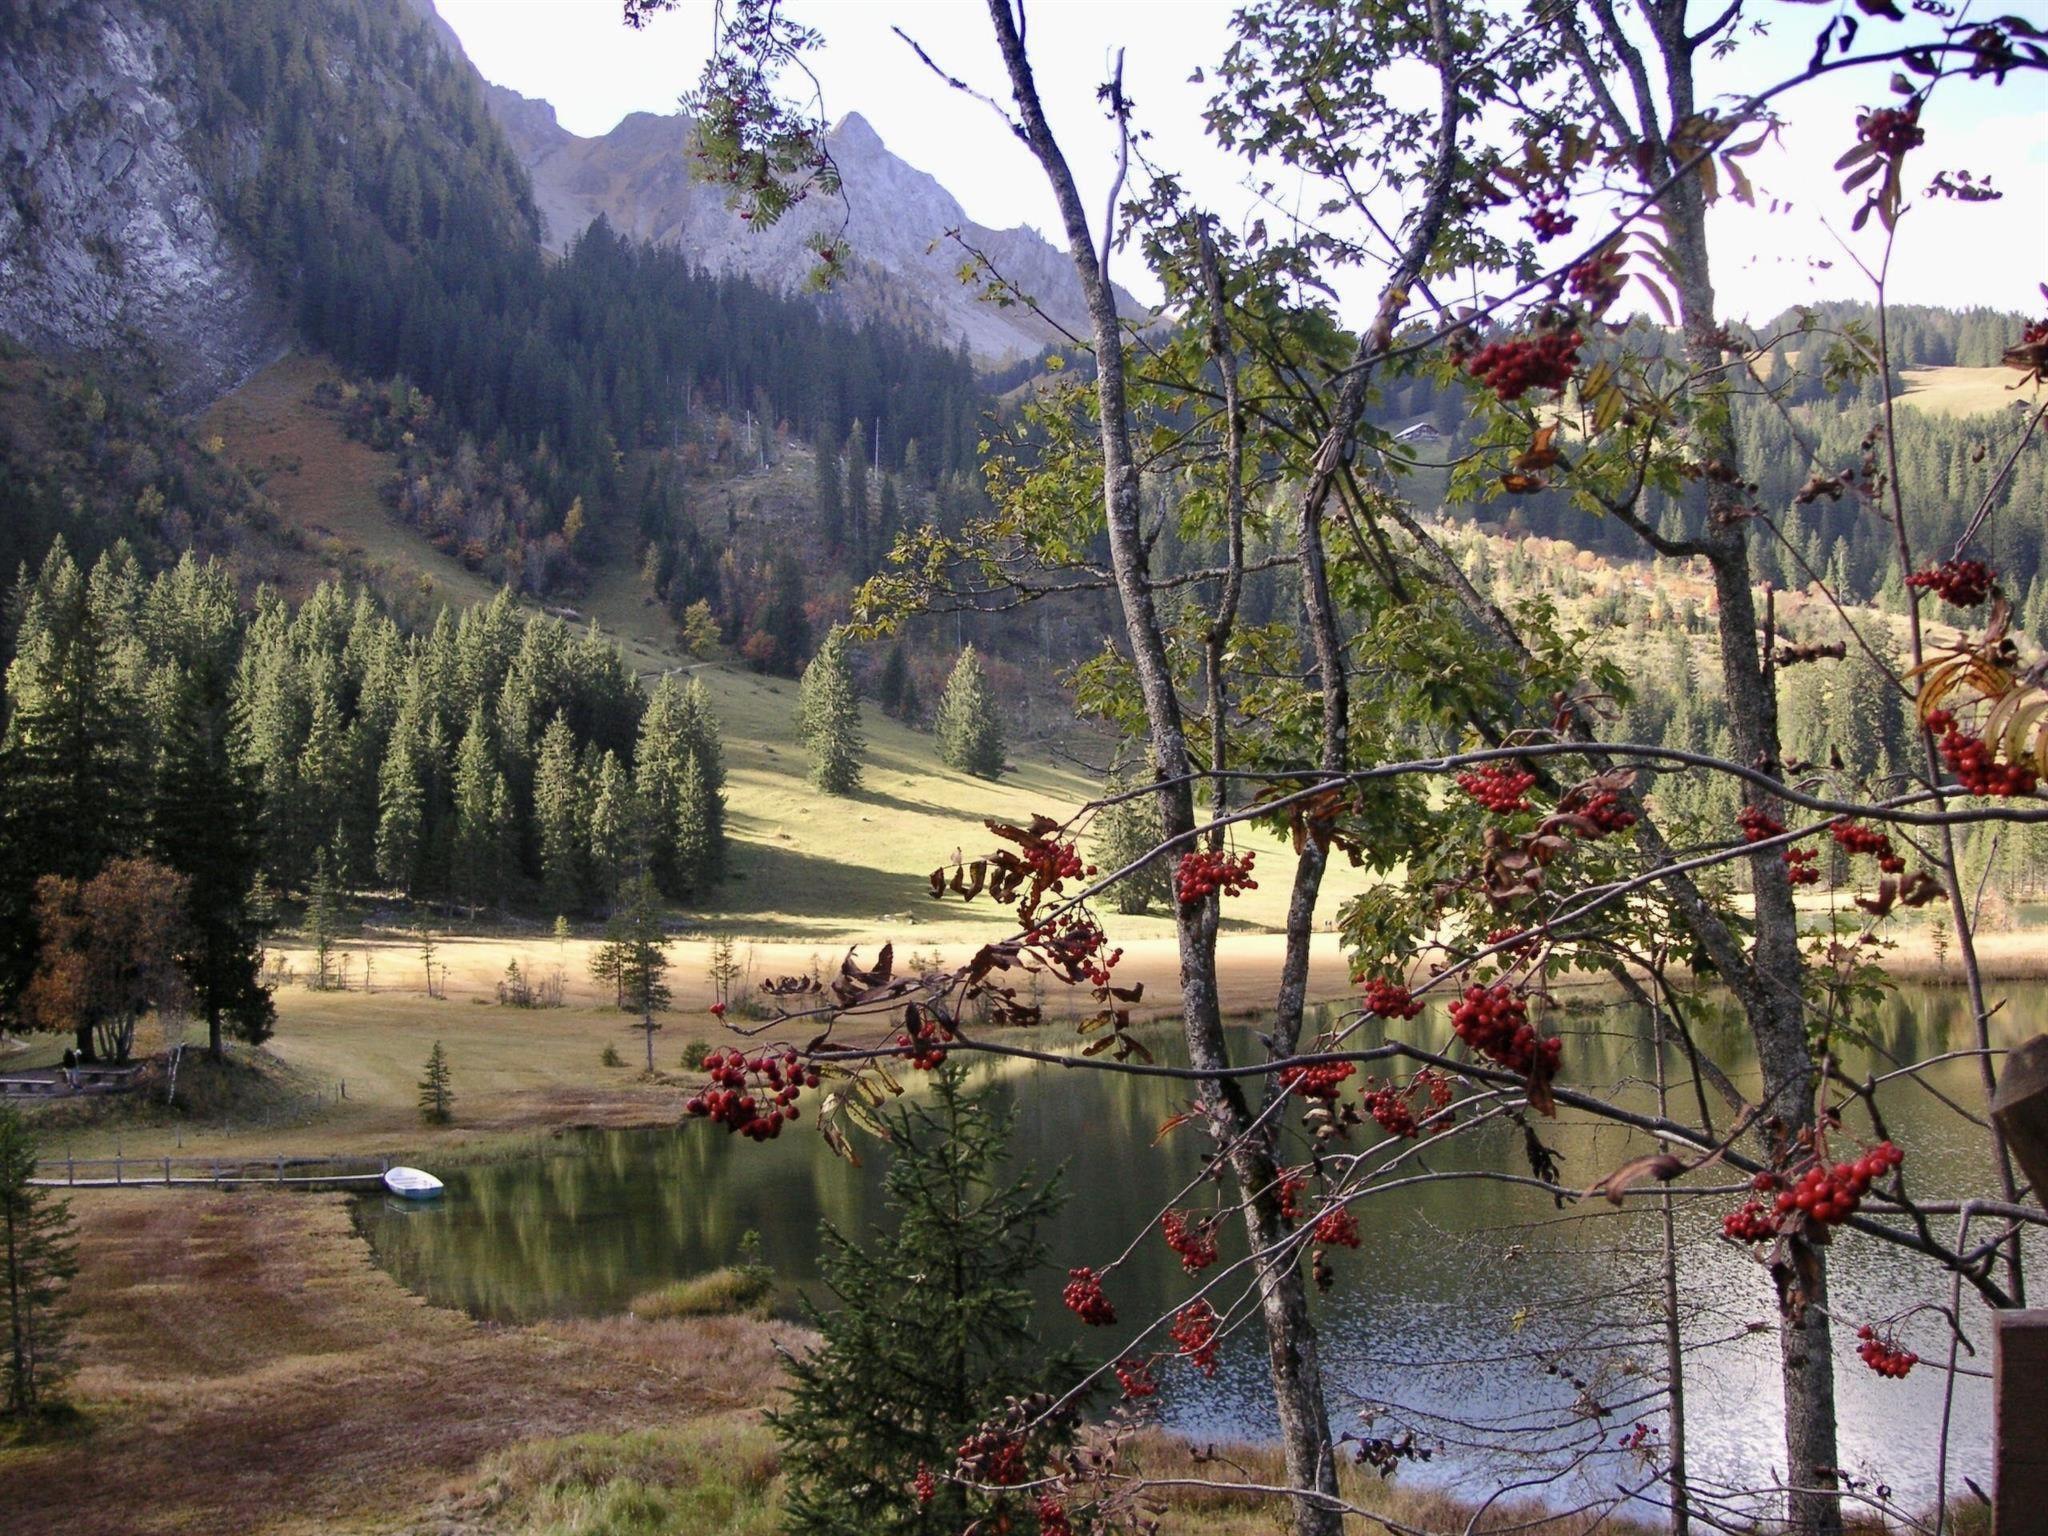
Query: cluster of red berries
[1052,861]
[1749,1224]
[992,1455]
[1891,131]
[1194,1331]
[1135,1377]
[1518,941]
[1973,763]
[1831,1193]
[1079,939]
[2034,334]
[1389,1106]
[1436,1085]
[1965,583]
[1192,1240]
[752,1095]
[1206,870]
[1501,787]
[1758,824]
[1883,1355]
[1318,1080]
[1638,1437]
[1084,1298]
[924,1485]
[1495,1023]
[926,1049]
[1597,280]
[1549,221]
[1288,1190]
[1052,1516]
[1802,866]
[1607,813]
[1390,1000]
[1337,1227]
[1853,837]
[1512,368]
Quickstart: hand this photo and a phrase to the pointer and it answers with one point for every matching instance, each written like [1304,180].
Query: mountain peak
[856,133]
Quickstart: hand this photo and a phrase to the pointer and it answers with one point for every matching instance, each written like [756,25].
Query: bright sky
[577,55]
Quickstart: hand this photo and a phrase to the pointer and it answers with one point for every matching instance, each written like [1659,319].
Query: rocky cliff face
[110,243]
[898,222]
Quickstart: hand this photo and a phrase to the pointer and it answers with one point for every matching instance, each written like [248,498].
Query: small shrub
[694,1053]
[735,1288]
[611,1057]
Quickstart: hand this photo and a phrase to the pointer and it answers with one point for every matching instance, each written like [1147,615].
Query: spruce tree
[1126,831]
[481,804]
[561,813]
[830,499]
[931,1328]
[660,763]
[204,827]
[402,809]
[324,916]
[707,747]
[857,495]
[39,1259]
[697,807]
[970,729]
[437,1096]
[828,718]
[641,957]
[891,686]
[617,833]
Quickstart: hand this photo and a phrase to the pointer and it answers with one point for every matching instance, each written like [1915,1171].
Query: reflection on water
[1477,1312]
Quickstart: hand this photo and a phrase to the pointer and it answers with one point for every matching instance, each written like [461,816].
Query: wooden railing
[122,1172]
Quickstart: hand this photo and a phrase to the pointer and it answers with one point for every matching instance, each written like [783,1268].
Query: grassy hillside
[1963,391]
[807,866]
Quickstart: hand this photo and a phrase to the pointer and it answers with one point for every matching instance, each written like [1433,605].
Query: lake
[1481,1315]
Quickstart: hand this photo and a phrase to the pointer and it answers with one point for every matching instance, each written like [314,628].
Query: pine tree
[642,958]
[831,502]
[660,764]
[616,829]
[402,809]
[931,1330]
[481,805]
[205,828]
[707,747]
[39,1256]
[970,730]
[828,718]
[857,495]
[322,926]
[561,812]
[894,681]
[1125,831]
[437,1097]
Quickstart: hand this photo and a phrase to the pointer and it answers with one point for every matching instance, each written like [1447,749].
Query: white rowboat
[412,1184]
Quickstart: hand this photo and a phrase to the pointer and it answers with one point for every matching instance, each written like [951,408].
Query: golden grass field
[1964,391]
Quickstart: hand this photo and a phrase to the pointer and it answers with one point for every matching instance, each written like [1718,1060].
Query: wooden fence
[210,1172]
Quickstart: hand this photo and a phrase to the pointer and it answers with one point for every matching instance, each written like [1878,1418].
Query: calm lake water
[1478,1314]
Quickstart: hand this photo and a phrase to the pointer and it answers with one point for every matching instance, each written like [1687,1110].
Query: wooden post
[2020,1106]
[167,1170]
[2019,1438]
[117,1168]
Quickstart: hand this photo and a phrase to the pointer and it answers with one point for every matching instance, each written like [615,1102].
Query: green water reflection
[1473,1304]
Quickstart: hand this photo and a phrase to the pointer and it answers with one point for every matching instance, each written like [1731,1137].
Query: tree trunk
[1771,994]
[1290,1336]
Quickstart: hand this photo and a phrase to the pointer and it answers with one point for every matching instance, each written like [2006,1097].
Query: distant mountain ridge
[897,219]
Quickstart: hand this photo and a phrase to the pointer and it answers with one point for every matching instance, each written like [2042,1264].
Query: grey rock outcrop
[908,234]
[110,242]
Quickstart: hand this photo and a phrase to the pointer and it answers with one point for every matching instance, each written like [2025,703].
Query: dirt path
[248,1369]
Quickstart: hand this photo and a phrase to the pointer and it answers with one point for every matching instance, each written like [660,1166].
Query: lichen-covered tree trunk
[1303,1416]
